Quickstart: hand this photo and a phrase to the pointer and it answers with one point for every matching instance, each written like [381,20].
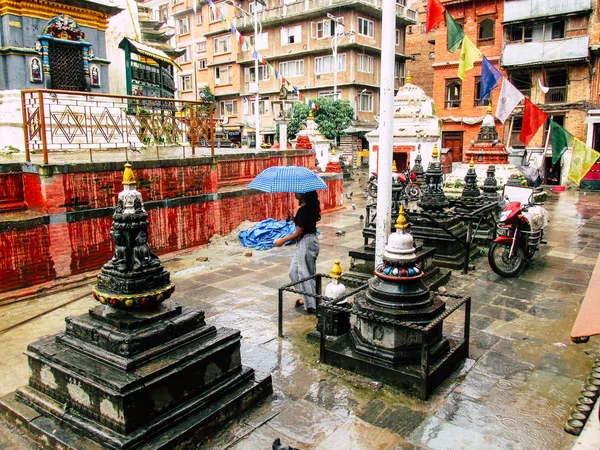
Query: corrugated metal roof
[545,52]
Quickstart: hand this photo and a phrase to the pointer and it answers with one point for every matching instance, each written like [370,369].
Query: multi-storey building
[457,101]
[420,46]
[298,39]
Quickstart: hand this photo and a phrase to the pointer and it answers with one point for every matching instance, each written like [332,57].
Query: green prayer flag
[560,141]
[455,33]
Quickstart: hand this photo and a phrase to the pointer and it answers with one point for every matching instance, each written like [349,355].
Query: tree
[332,117]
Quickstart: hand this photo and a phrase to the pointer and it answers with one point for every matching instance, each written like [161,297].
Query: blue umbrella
[287,179]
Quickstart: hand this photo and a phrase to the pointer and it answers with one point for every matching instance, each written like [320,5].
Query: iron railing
[556,95]
[64,120]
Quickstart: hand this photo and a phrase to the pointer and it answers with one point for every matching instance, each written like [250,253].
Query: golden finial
[128,176]
[472,163]
[333,151]
[336,270]
[435,153]
[401,223]
[408,78]
[310,115]
[489,110]
[394,168]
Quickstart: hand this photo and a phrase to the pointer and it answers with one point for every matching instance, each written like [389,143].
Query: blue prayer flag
[489,78]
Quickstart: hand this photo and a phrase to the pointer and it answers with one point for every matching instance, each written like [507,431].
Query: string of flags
[583,156]
[247,46]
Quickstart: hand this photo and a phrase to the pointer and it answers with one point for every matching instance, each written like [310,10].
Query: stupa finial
[336,270]
[409,78]
[401,223]
[435,152]
[489,110]
[128,175]
[472,163]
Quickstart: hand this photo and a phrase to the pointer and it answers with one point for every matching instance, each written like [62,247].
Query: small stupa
[388,337]
[490,185]
[310,138]
[471,196]
[137,371]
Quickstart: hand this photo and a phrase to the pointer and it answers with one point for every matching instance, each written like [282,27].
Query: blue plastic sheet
[263,234]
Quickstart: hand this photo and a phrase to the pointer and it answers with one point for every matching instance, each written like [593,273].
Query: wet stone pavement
[514,392]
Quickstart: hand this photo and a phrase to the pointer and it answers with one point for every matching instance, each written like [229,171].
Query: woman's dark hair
[311,200]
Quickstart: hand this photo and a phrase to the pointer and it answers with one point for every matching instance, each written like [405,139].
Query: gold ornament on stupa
[336,270]
[401,222]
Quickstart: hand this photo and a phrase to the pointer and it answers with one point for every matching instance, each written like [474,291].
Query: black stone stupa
[471,197]
[430,232]
[397,325]
[418,169]
[138,371]
[490,186]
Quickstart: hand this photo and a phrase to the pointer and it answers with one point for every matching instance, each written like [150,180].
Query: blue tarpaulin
[263,234]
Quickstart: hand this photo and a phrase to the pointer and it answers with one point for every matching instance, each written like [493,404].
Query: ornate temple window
[65,56]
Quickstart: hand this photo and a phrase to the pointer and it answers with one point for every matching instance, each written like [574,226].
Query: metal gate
[66,67]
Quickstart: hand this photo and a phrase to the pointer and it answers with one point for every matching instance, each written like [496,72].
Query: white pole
[256,99]
[335,68]
[386,117]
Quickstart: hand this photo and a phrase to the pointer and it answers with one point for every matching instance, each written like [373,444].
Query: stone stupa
[137,371]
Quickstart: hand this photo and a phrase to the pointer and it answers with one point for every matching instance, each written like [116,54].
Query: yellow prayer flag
[468,54]
[582,160]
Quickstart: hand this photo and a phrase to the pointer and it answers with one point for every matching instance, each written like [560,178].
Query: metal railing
[556,95]
[65,120]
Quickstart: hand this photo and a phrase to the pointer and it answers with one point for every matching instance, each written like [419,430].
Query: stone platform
[146,379]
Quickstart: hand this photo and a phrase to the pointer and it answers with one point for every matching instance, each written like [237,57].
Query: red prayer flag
[264,61]
[533,119]
[435,14]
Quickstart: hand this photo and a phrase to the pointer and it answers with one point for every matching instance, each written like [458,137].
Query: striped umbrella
[295,179]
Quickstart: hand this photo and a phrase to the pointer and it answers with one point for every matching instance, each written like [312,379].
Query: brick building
[457,100]
[420,46]
[296,39]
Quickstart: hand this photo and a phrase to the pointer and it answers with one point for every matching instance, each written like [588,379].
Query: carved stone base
[127,379]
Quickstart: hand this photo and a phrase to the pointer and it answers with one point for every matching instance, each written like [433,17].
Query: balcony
[543,52]
[516,10]
[58,121]
[557,95]
[317,8]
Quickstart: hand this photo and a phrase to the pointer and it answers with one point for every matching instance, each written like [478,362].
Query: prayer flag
[584,157]
[510,97]
[455,33]
[255,54]
[489,78]
[276,74]
[300,96]
[468,54]
[560,141]
[232,29]
[264,61]
[435,14]
[533,119]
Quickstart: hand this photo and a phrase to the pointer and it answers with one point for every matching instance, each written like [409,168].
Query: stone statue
[142,255]
[119,259]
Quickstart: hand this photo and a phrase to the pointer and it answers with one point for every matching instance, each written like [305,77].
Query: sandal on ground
[299,303]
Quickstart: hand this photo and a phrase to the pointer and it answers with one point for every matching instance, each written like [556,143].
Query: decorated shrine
[310,138]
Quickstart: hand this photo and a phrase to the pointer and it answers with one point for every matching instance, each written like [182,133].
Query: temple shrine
[310,138]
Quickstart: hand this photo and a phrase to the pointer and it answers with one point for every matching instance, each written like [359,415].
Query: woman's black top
[306,219]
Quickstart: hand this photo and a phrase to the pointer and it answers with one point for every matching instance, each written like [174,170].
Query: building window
[222,44]
[177,2]
[515,140]
[163,13]
[329,94]
[397,36]
[453,93]
[291,35]
[228,108]
[557,81]
[263,74]
[223,75]
[477,102]
[185,82]
[365,102]
[183,25]
[366,27]
[556,29]
[423,27]
[399,70]
[262,41]
[521,33]
[202,64]
[486,30]
[186,56]
[327,28]
[291,69]
[324,64]
[409,29]
[365,63]
[201,47]
[431,55]
[198,18]
[522,81]
[263,107]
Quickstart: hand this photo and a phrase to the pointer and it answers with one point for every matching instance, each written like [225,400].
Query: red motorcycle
[520,232]
[403,183]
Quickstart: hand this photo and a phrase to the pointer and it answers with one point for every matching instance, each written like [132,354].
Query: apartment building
[298,39]
[457,101]
[420,46]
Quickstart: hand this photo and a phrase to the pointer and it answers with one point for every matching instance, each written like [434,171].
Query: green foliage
[208,96]
[332,117]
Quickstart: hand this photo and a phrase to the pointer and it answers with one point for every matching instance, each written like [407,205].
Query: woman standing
[304,263]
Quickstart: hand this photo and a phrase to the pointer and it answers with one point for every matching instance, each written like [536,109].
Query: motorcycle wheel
[372,189]
[504,265]
[413,191]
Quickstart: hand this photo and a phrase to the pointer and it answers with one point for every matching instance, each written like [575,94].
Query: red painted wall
[11,188]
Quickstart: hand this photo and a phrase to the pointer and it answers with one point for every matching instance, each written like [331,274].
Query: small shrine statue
[142,255]
[119,260]
[334,288]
